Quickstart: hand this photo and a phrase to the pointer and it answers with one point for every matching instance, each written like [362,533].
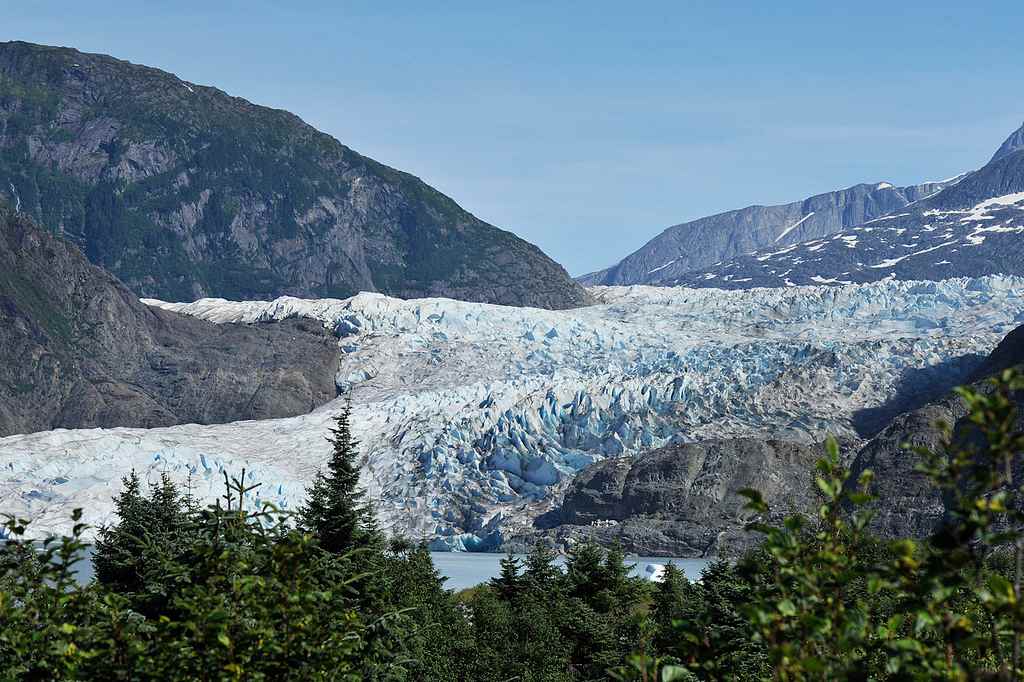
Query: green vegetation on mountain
[183,191]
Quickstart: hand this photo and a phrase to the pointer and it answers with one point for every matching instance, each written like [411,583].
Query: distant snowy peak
[702,242]
[986,239]
[694,252]
[1013,143]
[973,227]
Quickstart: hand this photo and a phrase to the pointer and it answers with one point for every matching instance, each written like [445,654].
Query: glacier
[473,417]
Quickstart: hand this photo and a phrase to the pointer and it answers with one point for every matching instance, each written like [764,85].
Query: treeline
[233,592]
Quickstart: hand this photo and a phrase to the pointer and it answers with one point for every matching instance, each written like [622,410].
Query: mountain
[78,350]
[1013,143]
[908,504]
[682,500]
[475,418]
[706,241]
[972,228]
[183,191]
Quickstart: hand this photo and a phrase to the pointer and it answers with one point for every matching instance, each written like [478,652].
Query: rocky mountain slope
[474,418]
[974,227]
[183,191]
[703,242]
[1013,143]
[77,349]
[909,505]
[682,500]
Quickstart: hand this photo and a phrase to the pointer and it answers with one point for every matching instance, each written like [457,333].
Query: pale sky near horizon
[588,128]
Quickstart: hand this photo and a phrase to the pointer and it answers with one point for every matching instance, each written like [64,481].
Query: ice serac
[183,191]
[705,241]
[475,417]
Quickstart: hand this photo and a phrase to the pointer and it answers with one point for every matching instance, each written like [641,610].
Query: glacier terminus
[473,417]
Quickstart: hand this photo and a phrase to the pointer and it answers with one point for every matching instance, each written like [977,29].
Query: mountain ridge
[974,227]
[1012,143]
[184,191]
[703,241]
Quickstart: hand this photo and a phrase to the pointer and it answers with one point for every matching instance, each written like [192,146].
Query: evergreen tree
[149,528]
[540,572]
[585,572]
[667,607]
[336,511]
[111,556]
[509,582]
[616,574]
[440,640]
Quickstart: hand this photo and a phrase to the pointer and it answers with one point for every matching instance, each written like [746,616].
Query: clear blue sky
[589,127]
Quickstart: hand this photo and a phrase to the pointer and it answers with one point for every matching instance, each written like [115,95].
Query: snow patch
[662,267]
[889,262]
[793,227]
[981,211]
[887,217]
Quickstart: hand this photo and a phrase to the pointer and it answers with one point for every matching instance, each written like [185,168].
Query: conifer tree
[111,556]
[540,570]
[336,511]
[616,571]
[509,582]
[585,571]
[149,529]
[668,599]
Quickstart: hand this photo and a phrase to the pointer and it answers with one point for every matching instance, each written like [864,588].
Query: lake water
[466,569]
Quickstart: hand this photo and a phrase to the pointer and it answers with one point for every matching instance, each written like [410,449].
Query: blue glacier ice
[474,417]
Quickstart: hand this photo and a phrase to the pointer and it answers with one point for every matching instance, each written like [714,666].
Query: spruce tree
[112,557]
[667,607]
[616,570]
[508,583]
[336,511]
[149,528]
[585,571]
[540,572]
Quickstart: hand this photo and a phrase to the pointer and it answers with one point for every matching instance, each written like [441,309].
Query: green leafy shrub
[822,599]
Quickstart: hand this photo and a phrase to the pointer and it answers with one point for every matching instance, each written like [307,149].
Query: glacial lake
[466,569]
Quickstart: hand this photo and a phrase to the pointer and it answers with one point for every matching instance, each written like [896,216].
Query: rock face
[1009,353]
[183,191]
[1013,143]
[683,500]
[972,228]
[77,349]
[908,504]
[703,242]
